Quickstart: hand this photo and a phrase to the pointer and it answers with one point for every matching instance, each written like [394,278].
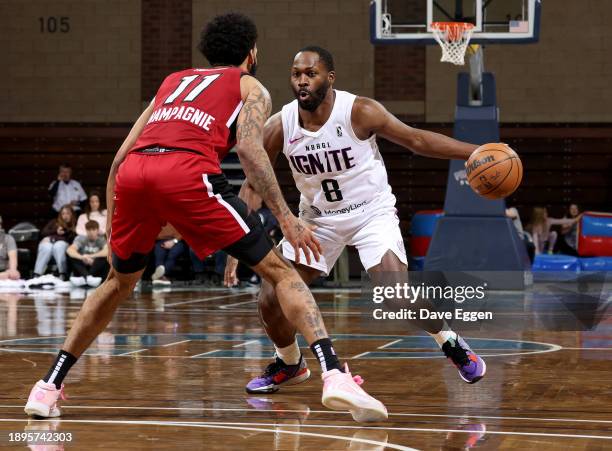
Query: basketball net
[454,38]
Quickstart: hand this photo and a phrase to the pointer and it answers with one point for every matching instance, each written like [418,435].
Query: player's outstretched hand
[230,278]
[299,234]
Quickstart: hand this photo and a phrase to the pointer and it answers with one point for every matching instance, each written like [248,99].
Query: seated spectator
[168,248]
[255,204]
[66,191]
[271,226]
[88,257]
[58,234]
[199,267]
[568,242]
[8,256]
[513,214]
[540,227]
[94,211]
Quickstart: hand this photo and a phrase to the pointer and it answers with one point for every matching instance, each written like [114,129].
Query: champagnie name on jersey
[188,114]
[330,160]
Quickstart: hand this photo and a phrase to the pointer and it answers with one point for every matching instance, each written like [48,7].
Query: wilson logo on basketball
[478,163]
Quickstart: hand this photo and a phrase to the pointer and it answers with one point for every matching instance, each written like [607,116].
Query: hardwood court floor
[170,370]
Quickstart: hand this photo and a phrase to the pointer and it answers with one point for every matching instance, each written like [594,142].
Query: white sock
[442,336]
[290,354]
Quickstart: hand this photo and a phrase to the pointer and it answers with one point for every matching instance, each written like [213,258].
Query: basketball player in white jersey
[329,138]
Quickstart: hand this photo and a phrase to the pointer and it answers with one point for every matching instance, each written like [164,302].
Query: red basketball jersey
[196,109]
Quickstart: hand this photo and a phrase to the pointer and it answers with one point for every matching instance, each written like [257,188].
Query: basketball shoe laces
[456,353]
[278,364]
[63,396]
[274,367]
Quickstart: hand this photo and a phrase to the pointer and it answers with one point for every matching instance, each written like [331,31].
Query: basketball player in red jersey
[168,171]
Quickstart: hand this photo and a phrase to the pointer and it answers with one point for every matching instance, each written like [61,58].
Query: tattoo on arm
[254,159]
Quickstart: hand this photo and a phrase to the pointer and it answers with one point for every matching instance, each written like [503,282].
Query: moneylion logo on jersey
[339,131]
[316,210]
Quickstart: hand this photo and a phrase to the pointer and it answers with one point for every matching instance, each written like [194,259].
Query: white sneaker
[158,273]
[78,294]
[43,400]
[342,391]
[94,281]
[162,281]
[78,281]
[62,284]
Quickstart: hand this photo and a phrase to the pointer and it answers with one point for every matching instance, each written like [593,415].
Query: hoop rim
[443,25]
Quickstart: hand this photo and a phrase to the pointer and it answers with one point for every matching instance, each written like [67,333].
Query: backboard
[495,21]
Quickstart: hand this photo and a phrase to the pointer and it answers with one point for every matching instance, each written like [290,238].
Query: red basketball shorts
[153,189]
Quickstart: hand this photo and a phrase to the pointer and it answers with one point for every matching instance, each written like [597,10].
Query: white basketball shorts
[373,233]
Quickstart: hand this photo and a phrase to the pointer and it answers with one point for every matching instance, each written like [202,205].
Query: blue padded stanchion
[596,264]
[474,234]
[556,262]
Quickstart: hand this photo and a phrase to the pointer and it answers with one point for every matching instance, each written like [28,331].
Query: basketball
[494,170]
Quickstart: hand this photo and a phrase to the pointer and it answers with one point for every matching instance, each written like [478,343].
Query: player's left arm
[370,117]
[135,132]
[273,143]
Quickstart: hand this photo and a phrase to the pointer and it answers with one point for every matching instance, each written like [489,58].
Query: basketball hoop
[454,38]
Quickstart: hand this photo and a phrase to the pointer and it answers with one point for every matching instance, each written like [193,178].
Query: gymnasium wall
[563,78]
[71,96]
[70,60]
[110,56]
[284,29]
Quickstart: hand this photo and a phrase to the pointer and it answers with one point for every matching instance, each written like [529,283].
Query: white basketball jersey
[336,173]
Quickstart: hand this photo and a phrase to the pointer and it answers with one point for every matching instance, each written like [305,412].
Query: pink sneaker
[43,400]
[342,391]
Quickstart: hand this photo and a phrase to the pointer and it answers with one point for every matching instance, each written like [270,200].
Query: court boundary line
[214,298]
[551,347]
[399,414]
[174,343]
[238,425]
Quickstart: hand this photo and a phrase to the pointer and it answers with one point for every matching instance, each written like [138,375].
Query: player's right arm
[131,139]
[258,168]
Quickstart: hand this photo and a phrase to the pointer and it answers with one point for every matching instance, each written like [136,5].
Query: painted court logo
[476,164]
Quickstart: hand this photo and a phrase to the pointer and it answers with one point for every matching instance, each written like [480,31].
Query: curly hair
[325,56]
[227,39]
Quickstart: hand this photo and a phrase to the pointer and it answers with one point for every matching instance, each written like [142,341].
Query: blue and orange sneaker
[471,367]
[279,373]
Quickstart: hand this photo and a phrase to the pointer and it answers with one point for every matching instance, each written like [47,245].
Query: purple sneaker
[471,367]
[279,373]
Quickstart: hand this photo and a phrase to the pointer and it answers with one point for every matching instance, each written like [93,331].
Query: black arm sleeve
[53,188]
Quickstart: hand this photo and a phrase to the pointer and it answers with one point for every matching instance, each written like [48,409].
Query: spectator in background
[544,238]
[88,257]
[270,223]
[58,234]
[94,211]
[8,256]
[568,242]
[513,214]
[199,267]
[66,191]
[168,248]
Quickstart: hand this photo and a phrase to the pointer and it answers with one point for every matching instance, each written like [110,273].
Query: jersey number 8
[332,190]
